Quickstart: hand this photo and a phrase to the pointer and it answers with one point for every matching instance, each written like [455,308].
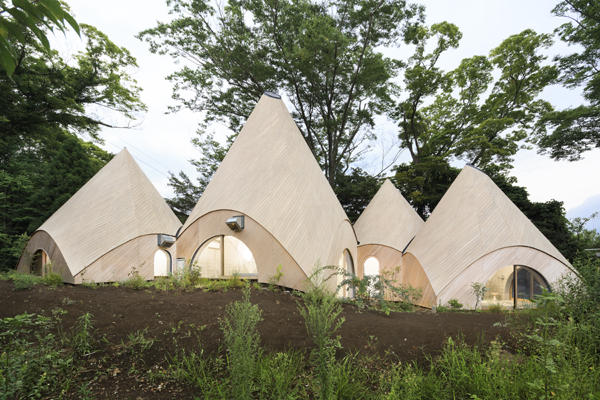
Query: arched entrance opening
[38,262]
[222,256]
[346,264]
[371,266]
[162,263]
[501,287]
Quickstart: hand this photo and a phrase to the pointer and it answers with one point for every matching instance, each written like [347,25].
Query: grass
[556,356]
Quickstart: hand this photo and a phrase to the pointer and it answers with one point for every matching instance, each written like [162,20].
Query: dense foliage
[45,106]
[576,130]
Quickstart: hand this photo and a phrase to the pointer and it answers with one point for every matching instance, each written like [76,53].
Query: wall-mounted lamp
[236,223]
[165,240]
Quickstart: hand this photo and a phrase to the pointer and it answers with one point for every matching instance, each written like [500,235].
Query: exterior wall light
[165,240]
[236,223]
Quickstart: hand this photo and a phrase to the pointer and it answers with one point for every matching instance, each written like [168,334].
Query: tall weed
[242,340]
[320,311]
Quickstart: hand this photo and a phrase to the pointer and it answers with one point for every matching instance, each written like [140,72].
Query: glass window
[501,289]
[224,255]
[238,258]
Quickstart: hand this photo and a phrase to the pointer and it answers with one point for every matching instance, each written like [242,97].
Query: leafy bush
[235,282]
[32,363]
[189,276]
[320,311]
[274,281]
[135,280]
[454,304]
[82,341]
[51,277]
[495,308]
[242,339]
[25,281]
[379,290]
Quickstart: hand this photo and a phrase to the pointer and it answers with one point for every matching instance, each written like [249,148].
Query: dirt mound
[167,316]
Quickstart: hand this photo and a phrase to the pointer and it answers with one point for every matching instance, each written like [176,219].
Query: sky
[160,142]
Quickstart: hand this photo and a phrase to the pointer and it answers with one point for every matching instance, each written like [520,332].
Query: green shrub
[235,282]
[454,304]
[32,361]
[135,280]
[82,339]
[495,308]
[25,281]
[274,281]
[242,340]
[320,311]
[379,290]
[189,276]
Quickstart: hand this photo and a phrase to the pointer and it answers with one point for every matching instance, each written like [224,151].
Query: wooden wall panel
[41,240]
[117,205]
[473,218]
[268,253]
[271,176]
[485,267]
[413,273]
[117,264]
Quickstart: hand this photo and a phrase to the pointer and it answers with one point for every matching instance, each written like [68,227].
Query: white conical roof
[118,204]
[473,219]
[388,219]
[270,175]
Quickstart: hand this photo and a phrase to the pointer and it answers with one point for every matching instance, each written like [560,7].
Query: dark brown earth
[119,312]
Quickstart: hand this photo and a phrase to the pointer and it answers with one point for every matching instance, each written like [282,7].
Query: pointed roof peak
[271,175]
[473,218]
[118,204]
[388,219]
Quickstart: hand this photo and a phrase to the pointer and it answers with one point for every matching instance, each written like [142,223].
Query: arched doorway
[501,286]
[162,263]
[371,266]
[38,262]
[222,256]
[346,264]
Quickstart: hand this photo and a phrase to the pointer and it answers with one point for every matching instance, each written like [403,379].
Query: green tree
[322,56]
[574,131]
[448,116]
[25,19]
[68,171]
[45,104]
[355,191]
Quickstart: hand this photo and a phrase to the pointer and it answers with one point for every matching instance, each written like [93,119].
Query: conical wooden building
[107,228]
[384,229]
[287,213]
[476,234]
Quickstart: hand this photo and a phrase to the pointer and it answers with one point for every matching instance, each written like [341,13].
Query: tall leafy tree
[25,19]
[322,56]
[452,115]
[44,106]
[574,131]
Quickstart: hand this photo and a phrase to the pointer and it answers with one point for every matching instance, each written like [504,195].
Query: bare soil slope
[119,312]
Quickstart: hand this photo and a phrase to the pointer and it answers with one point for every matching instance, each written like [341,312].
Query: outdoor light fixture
[236,223]
[165,240]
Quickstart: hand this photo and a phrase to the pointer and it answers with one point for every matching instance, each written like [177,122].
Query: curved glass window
[371,266]
[501,286]
[224,256]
